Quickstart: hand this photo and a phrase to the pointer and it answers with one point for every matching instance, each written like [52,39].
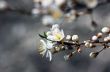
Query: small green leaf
[41,36]
[45,34]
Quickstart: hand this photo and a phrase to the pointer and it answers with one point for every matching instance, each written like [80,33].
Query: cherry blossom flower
[44,49]
[55,33]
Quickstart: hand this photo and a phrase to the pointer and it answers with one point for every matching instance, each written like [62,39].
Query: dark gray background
[19,42]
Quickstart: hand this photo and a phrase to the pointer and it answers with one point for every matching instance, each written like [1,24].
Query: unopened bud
[105,30]
[88,44]
[94,38]
[79,50]
[106,39]
[68,37]
[75,38]
[99,35]
[57,49]
[93,54]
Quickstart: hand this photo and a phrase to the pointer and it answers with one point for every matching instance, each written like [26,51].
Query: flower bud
[57,49]
[85,41]
[68,37]
[93,54]
[75,38]
[99,35]
[88,44]
[79,50]
[106,39]
[94,38]
[105,30]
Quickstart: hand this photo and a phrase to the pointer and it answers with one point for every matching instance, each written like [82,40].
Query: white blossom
[45,49]
[55,33]
[42,49]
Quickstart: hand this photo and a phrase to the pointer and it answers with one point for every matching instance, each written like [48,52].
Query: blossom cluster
[55,11]
[54,41]
[52,37]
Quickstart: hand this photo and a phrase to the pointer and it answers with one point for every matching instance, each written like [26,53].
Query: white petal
[62,32]
[43,53]
[50,37]
[49,33]
[56,26]
[49,44]
[42,47]
[43,43]
[49,55]
[55,31]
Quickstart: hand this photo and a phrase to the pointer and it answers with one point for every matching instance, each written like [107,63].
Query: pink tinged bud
[106,39]
[94,38]
[99,35]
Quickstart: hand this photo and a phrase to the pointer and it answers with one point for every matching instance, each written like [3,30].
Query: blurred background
[22,20]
